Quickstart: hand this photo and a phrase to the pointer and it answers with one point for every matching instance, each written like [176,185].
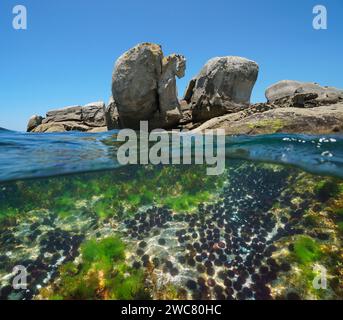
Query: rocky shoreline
[144,88]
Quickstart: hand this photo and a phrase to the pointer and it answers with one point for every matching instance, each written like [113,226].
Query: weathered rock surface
[169,106]
[112,115]
[81,118]
[189,90]
[282,89]
[93,114]
[135,83]
[144,86]
[319,120]
[288,93]
[34,122]
[61,127]
[223,86]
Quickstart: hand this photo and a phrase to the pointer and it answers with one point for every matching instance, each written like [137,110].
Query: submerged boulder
[144,86]
[224,85]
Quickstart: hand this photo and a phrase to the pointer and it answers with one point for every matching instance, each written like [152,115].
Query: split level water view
[84,227]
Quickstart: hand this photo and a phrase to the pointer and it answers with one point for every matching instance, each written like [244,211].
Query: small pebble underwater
[258,231]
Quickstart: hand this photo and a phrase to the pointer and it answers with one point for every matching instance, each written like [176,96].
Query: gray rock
[135,83]
[320,120]
[61,127]
[169,106]
[34,122]
[224,85]
[282,89]
[73,113]
[93,114]
[144,87]
[189,91]
[112,115]
[81,118]
[302,92]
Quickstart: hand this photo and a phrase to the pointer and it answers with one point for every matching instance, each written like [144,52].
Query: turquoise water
[85,227]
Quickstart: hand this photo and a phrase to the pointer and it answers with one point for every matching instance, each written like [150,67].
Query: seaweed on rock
[102,274]
[306,250]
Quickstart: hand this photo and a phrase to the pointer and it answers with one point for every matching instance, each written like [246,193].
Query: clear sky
[66,55]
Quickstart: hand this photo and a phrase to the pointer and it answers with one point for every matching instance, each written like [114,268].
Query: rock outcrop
[282,89]
[90,117]
[34,122]
[292,107]
[288,93]
[144,86]
[112,115]
[169,111]
[319,120]
[223,86]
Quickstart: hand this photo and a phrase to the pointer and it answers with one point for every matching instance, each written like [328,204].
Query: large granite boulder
[135,83]
[144,86]
[289,93]
[224,85]
[82,118]
[71,113]
[282,89]
[94,114]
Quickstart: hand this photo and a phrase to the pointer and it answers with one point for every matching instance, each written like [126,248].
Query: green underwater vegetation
[102,274]
[306,250]
[116,193]
[117,258]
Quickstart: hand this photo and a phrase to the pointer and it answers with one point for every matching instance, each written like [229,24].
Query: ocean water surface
[85,227]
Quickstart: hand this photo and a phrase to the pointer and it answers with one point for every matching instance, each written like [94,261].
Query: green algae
[306,250]
[105,252]
[272,126]
[102,274]
[117,193]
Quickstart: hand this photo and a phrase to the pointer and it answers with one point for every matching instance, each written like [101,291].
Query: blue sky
[66,55]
